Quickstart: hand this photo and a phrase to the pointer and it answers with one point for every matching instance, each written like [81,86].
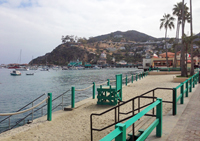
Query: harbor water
[17,91]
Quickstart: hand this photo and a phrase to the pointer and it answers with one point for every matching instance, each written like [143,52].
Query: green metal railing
[136,108]
[119,134]
[185,88]
[120,129]
[127,79]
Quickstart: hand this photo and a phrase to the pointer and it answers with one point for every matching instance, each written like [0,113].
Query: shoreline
[75,124]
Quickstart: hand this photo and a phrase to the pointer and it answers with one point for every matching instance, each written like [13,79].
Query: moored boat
[96,67]
[29,73]
[22,69]
[15,73]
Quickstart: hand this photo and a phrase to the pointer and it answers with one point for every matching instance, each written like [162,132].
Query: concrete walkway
[185,126]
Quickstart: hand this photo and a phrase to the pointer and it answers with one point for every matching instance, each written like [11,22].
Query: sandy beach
[75,125]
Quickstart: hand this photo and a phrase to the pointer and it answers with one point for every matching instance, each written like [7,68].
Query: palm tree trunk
[191,28]
[176,43]
[186,59]
[183,70]
[166,47]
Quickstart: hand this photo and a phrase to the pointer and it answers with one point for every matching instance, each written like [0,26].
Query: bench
[109,95]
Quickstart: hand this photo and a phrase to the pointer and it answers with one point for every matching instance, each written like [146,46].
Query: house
[122,48]
[161,60]
[102,59]
[131,53]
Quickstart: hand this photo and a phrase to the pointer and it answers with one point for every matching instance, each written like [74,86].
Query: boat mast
[20,56]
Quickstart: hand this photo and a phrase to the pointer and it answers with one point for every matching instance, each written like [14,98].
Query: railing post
[193,81]
[174,108]
[136,77]
[108,83]
[142,74]
[182,93]
[139,76]
[126,80]
[32,112]
[186,95]
[199,76]
[72,97]
[49,107]
[190,85]
[132,78]
[159,116]
[93,90]
[9,122]
[122,136]
[62,103]
[157,69]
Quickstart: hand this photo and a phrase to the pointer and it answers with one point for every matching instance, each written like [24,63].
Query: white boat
[65,68]
[15,73]
[22,69]
[72,68]
[45,68]
[96,67]
[80,68]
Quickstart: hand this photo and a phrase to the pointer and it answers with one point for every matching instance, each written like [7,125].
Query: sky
[35,27]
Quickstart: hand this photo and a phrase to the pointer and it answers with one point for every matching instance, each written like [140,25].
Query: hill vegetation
[130,46]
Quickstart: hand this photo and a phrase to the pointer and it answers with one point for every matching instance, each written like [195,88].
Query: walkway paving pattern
[185,126]
[188,126]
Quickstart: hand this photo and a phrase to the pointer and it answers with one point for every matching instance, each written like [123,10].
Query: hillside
[130,35]
[63,54]
[116,45]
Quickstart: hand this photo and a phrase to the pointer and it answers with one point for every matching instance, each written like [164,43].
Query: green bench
[130,138]
[109,95]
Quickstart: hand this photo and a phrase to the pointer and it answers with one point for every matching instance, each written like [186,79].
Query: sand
[75,125]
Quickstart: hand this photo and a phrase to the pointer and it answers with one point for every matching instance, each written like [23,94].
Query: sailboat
[21,68]
[45,68]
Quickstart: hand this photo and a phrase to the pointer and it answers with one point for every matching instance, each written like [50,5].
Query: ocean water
[17,91]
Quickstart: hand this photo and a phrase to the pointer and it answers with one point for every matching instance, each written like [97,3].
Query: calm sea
[17,91]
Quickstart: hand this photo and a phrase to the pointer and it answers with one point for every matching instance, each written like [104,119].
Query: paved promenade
[185,126]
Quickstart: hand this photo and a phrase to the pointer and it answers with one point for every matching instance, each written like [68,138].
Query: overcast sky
[35,26]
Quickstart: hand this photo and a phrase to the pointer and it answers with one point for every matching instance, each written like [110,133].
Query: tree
[63,39]
[187,41]
[167,22]
[191,29]
[185,16]
[177,10]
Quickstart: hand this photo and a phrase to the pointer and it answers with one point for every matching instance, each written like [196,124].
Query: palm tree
[183,68]
[191,29]
[177,11]
[167,22]
[187,41]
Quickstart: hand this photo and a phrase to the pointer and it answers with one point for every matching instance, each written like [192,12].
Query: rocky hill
[90,50]
[63,54]
[131,35]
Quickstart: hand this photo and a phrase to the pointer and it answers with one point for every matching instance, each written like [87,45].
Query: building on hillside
[161,60]
[122,62]
[102,59]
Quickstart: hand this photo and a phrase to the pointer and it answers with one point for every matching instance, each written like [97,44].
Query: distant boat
[29,73]
[65,68]
[96,67]
[45,69]
[22,69]
[15,73]
[80,68]
[13,67]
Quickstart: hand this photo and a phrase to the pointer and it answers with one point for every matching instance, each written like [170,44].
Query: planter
[179,79]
